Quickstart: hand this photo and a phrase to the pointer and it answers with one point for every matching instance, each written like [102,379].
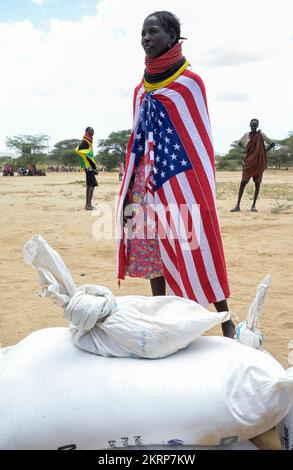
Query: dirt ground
[255,244]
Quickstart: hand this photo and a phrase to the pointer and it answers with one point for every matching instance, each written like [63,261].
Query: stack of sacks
[53,395]
[215,392]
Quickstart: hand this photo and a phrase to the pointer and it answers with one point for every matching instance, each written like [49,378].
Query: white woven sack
[285,427]
[215,392]
[129,326]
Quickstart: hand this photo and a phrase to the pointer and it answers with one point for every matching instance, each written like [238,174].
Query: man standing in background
[121,170]
[255,161]
[88,164]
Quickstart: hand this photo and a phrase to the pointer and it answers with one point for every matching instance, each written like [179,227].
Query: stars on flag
[169,154]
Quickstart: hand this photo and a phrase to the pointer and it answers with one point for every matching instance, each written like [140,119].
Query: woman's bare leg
[228,327]
[158,285]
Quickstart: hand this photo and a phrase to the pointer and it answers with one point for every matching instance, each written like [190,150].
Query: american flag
[172,131]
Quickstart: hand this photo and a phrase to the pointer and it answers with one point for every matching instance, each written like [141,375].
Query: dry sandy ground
[255,244]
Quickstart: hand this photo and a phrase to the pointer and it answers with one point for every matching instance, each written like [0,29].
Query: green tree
[232,160]
[24,160]
[107,160]
[279,157]
[64,152]
[25,145]
[113,149]
[29,148]
[282,154]
[288,144]
[69,158]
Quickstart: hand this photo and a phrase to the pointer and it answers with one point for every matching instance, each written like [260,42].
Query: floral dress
[143,252]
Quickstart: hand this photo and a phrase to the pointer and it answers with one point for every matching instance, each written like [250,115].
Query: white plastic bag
[215,392]
[248,332]
[129,326]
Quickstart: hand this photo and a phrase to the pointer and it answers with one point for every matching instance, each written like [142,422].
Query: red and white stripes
[185,205]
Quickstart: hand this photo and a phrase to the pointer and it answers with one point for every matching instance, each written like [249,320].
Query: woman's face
[154,39]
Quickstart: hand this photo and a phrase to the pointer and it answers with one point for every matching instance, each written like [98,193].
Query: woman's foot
[236,209]
[228,329]
[253,209]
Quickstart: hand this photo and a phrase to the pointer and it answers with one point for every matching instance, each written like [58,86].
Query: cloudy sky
[67,64]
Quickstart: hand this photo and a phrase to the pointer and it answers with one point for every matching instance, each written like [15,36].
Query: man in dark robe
[255,161]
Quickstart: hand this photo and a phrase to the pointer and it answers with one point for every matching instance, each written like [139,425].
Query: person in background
[121,170]
[88,164]
[8,170]
[255,161]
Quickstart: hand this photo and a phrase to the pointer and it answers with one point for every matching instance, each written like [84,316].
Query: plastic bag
[248,332]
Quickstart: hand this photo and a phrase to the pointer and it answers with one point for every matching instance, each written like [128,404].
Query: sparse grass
[265,253]
[278,207]
[110,196]
[225,190]
[77,182]
[267,191]
[65,193]
[278,191]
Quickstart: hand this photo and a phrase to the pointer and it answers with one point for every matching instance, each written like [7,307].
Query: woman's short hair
[169,22]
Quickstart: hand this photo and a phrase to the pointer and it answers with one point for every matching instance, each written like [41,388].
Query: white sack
[129,326]
[285,427]
[245,445]
[285,431]
[217,391]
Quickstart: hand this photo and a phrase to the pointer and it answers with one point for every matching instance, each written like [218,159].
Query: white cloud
[38,2]
[81,73]
[230,57]
[233,96]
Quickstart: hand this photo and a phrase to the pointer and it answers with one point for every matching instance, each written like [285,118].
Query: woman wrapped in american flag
[167,223]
